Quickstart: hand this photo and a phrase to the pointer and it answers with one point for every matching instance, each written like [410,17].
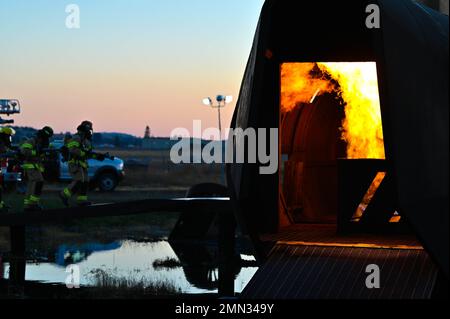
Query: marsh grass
[168,263]
[108,285]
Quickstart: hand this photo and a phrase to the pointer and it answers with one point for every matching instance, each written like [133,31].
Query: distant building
[147,133]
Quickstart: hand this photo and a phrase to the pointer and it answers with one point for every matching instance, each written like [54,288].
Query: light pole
[222,101]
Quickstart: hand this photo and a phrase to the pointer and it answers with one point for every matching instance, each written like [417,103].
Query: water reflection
[67,255]
[194,270]
[200,265]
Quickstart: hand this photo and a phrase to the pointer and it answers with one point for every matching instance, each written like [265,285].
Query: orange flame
[369,196]
[358,87]
[298,85]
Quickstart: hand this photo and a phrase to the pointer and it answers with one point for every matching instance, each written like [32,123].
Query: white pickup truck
[104,175]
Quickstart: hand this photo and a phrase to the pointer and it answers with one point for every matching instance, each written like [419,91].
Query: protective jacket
[32,157]
[80,150]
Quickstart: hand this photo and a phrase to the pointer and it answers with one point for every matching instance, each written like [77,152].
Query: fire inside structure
[363,150]
[328,111]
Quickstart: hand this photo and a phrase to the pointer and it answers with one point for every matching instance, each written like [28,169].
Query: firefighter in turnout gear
[6,134]
[33,155]
[79,152]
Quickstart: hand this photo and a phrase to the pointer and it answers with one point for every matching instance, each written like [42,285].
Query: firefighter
[79,148]
[6,134]
[33,152]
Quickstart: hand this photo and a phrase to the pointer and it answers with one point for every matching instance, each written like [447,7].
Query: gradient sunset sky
[132,63]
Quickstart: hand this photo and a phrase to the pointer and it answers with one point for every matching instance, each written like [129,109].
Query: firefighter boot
[82,201]
[65,196]
[32,204]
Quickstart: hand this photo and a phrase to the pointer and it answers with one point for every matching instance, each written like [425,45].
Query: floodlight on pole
[222,101]
[9,107]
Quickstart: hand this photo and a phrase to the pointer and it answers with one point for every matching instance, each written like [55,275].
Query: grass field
[156,170]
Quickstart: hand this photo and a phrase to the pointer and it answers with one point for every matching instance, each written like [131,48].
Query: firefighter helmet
[46,132]
[86,126]
[87,129]
[6,134]
[7,131]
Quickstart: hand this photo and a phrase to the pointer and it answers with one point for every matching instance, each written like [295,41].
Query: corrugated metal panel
[312,272]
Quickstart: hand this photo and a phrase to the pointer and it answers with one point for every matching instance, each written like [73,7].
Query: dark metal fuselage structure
[411,54]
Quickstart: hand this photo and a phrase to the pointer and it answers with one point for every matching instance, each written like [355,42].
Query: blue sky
[131,63]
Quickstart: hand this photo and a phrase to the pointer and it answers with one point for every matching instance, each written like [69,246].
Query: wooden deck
[314,272]
[314,262]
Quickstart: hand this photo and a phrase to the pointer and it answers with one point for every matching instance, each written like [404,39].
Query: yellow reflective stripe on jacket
[29,166]
[34,199]
[73,144]
[27,146]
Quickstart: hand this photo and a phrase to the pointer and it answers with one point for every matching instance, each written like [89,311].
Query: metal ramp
[295,271]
